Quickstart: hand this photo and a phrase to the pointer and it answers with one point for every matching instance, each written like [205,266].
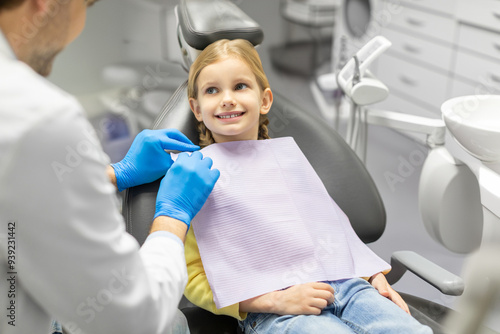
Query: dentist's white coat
[73,259]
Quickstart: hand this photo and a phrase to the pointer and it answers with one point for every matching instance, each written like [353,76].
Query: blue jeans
[358,308]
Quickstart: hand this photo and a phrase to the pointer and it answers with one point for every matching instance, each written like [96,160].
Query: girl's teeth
[229,116]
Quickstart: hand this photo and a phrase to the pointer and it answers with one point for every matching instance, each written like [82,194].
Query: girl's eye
[211,90]
[241,86]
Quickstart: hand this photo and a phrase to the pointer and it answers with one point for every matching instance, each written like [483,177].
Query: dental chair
[342,172]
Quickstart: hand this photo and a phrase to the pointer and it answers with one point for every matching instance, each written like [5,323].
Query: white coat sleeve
[74,257]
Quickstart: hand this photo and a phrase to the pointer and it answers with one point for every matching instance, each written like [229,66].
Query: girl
[230,96]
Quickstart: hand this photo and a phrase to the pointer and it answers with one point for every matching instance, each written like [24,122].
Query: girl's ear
[267,101]
[195,108]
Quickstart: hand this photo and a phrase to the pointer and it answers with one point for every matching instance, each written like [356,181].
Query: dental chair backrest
[343,174]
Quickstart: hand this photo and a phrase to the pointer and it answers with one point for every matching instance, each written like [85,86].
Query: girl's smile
[230,116]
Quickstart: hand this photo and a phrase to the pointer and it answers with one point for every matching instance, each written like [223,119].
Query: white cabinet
[482,13]
[419,50]
[480,41]
[440,6]
[414,81]
[425,24]
[441,49]
[477,65]
[476,68]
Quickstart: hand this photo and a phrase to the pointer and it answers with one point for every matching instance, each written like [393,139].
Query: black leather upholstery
[220,19]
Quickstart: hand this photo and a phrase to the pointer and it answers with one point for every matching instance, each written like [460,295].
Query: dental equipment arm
[356,81]
[435,129]
[363,88]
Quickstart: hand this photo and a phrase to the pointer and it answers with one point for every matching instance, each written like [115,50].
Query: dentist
[64,252]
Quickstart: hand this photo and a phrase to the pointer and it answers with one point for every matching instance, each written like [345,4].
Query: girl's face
[230,100]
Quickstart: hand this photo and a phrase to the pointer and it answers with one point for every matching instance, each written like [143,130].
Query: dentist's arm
[111,175]
[146,160]
[172,225]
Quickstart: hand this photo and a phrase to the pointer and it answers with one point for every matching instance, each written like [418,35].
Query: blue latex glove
[186,187]
[146,160]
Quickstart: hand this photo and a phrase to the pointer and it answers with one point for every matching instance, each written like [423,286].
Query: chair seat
[202,321]
[427,312]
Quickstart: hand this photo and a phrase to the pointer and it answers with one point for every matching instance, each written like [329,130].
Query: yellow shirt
[197,289]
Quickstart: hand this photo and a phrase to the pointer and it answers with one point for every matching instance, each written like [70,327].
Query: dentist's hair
[222,49]
[10,4]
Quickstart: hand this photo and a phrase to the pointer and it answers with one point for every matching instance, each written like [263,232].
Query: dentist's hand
[186,187]
[146,160]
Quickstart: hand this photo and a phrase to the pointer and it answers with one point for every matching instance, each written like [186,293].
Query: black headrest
[206,21]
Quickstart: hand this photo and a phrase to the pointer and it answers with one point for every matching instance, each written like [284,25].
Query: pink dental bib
[270,223]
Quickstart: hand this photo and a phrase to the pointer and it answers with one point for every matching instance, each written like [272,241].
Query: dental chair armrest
[443,280]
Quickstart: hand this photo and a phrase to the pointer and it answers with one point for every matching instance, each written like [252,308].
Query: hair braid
[205,135]
[263,130]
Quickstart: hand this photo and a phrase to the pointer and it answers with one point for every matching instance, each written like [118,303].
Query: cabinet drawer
[477,68]
[442,6]
[415,81]
[423,23]
[478,40]
[402,105]
[419,49]
[461,88]
[483,13]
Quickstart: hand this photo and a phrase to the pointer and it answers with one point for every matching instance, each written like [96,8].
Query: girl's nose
[227,100]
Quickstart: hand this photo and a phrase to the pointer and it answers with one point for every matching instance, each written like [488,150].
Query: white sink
[474,122]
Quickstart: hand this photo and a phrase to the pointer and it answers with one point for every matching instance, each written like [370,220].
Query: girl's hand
[308,298]
[379,282]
